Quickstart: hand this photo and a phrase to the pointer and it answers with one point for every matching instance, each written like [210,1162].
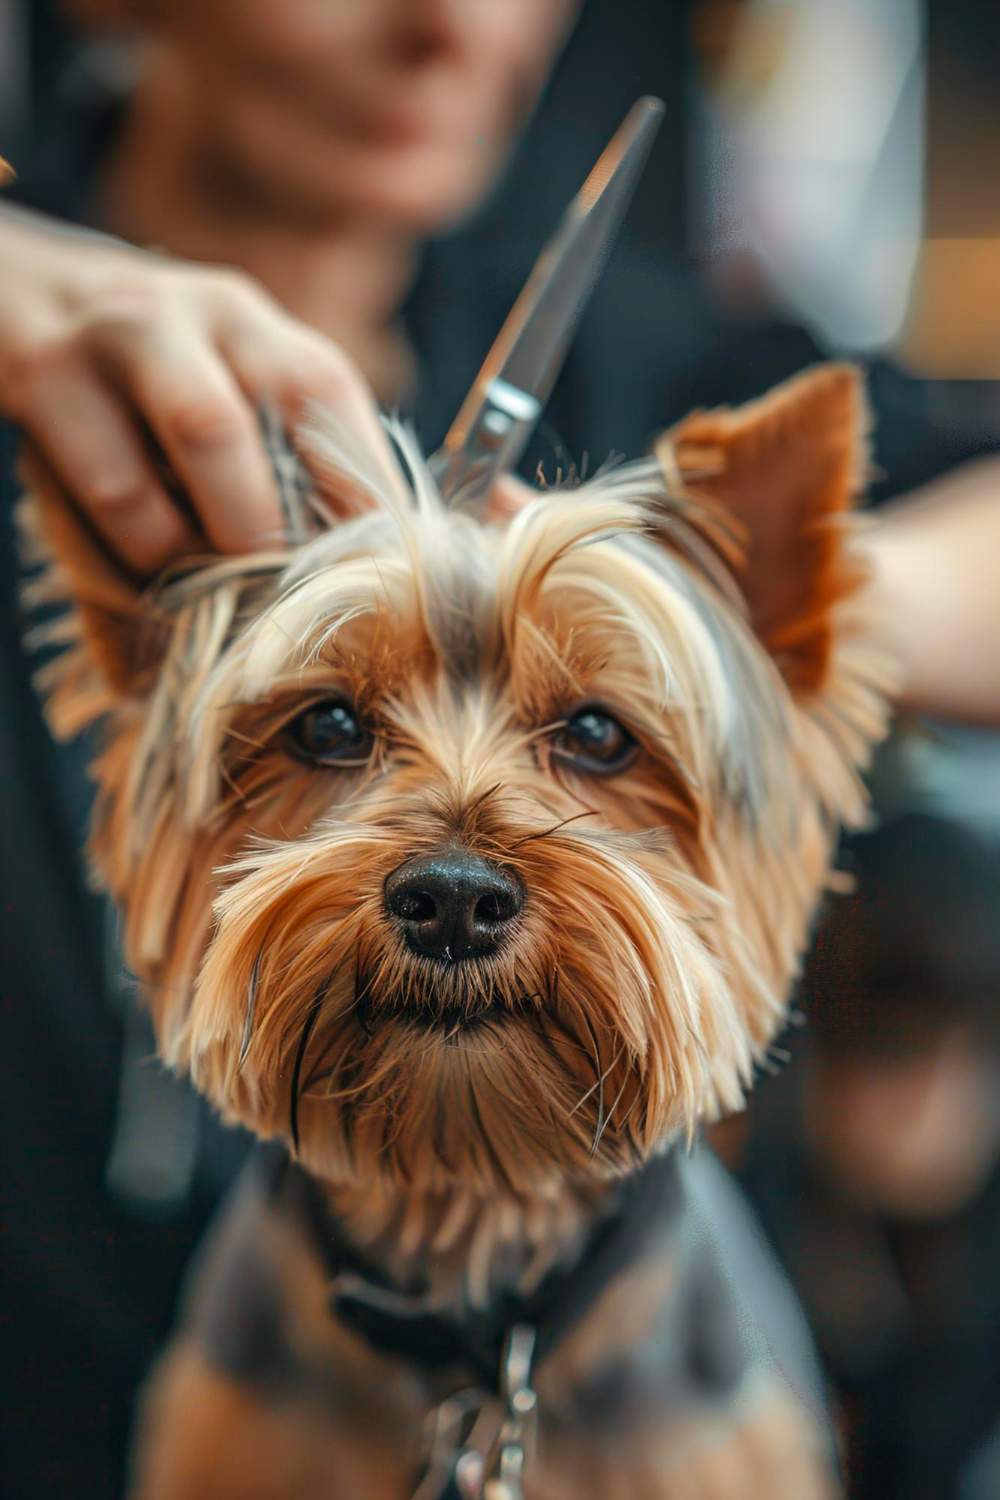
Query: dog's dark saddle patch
[237,1312]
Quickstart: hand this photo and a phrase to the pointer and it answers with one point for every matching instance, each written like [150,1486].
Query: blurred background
[825,183]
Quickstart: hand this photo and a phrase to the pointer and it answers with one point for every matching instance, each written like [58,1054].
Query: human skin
[97,338]
[936,560]
[309,146]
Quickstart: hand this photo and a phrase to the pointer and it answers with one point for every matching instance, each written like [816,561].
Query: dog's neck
[461,1247]
[488,1265]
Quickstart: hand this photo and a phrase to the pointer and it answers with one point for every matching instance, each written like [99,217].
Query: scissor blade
[508,395]
[532,345]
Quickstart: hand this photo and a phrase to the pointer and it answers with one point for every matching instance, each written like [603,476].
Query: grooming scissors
[509,394]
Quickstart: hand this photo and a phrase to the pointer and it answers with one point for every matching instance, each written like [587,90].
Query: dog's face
[485,853]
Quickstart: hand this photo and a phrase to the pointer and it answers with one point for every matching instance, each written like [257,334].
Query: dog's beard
[570,1052]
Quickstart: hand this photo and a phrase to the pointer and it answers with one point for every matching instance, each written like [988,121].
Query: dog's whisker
[251,1011]
[543,731]
[599,1136]
[227,778]
[552,1020]
[235,734]
[546,833]
[477,802]
[601,1119]
[599,1075]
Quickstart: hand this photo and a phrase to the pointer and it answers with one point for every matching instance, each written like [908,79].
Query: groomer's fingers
[181,351]
[92,445]
[301,375]
[208,431]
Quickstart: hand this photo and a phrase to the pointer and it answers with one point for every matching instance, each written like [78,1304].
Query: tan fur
[351,1426]
[237,1447]
[762,1449]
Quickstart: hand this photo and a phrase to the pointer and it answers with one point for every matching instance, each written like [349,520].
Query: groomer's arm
[102,344]
[937,564]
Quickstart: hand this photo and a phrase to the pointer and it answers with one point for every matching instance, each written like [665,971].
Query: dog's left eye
[330,733]
[592,740]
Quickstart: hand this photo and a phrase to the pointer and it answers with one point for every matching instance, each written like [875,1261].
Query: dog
[468,859]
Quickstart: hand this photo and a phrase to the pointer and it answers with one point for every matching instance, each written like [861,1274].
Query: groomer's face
[399,111]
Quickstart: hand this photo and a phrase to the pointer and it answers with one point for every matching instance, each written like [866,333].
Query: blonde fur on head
[665,906]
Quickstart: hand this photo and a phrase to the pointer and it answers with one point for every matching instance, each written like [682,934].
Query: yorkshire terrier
[468,860]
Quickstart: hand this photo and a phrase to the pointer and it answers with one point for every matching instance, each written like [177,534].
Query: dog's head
[486,852]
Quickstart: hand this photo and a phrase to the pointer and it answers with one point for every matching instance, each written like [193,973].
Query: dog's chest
[642,1338]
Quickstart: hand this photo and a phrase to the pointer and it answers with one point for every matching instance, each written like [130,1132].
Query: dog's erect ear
[787,468]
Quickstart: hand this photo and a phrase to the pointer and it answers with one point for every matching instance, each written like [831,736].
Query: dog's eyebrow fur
[431,593]
[467,590]
[751,722]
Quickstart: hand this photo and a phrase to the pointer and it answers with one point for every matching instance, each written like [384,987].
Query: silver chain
[479,1444]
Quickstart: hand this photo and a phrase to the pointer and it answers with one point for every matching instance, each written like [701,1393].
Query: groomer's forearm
[936,557]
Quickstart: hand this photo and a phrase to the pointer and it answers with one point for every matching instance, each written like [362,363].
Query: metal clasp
[455,1446]
[515,1443]
[478,1446]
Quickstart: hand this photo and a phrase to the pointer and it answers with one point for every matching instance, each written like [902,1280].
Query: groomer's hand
[102,345]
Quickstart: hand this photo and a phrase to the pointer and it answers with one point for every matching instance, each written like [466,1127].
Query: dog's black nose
[453,905]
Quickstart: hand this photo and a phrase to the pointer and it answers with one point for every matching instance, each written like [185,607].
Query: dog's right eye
[593,741]
[330,734]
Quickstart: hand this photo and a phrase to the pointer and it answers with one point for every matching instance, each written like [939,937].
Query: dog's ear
[123,624]
[119,626]
[787,469]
